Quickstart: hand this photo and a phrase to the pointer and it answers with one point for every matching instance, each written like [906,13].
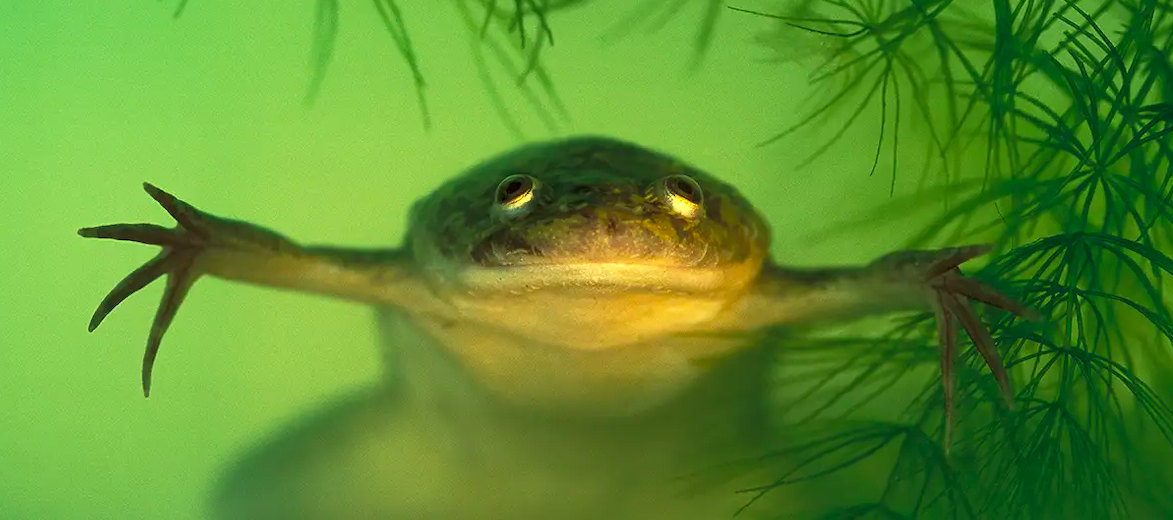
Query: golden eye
[682,195]
[515,192]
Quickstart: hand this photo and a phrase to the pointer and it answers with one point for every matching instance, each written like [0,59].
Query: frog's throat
[606,277]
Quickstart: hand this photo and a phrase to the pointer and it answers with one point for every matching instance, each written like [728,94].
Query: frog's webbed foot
[182,247]
[949,294]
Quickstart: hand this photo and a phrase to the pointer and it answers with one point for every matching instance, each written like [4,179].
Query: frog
[570,327]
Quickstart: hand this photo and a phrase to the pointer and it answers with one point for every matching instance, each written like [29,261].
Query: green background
[96,97]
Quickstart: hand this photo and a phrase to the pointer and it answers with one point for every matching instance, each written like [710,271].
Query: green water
[96,97]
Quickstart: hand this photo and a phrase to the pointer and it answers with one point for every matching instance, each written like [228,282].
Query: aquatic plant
[510,34]
[513,33]
[506,39]
[1070,122]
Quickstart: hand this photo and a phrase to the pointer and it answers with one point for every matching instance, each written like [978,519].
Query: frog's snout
[593,235]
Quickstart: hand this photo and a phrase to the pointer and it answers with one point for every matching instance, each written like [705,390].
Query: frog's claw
[951,292]
[181,246]
[947,335]
[204,244]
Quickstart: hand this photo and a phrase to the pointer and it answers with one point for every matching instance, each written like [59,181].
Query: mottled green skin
[595,203]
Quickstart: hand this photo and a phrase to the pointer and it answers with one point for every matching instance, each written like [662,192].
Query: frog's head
[588,214]
[576,269]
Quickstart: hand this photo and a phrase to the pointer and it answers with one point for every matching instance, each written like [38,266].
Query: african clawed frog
[571,325]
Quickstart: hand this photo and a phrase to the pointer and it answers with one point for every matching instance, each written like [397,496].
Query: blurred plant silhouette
[1047,125]
[507,38]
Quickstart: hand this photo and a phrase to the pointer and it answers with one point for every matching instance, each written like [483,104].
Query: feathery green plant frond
[326,34]
[654,15]
[508,38]
[517,21]
[179,8]
[511,37]
[322,50]
[1075,186]
[879,52]
[833,448]
[392,17]
[518,56]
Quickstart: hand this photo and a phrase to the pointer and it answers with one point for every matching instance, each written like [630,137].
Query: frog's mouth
[614,238]
[608,247]
[605,277]
[604,254]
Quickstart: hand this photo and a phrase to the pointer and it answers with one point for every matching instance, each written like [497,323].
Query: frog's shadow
[314,436]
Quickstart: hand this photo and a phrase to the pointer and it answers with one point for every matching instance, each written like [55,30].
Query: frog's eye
[682,195]
[515,193]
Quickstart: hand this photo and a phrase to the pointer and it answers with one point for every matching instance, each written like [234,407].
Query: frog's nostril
[582,189]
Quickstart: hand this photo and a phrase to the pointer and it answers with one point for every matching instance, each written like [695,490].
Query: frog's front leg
[204,244]
[905,280]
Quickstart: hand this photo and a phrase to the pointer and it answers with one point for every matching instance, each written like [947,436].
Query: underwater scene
[587,259]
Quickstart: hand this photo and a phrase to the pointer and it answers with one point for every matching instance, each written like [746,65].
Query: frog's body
[572,328]
[432,445]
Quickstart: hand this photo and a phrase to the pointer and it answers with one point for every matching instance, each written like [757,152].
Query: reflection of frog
[556,317]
